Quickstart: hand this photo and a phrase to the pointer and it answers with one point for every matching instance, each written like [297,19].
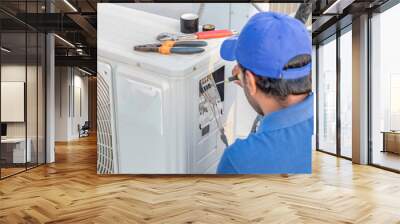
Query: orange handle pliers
[177,47]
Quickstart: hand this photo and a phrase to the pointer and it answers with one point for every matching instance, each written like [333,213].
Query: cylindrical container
[208,27]
[189,23]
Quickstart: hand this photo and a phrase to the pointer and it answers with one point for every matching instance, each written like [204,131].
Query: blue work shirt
[281,145]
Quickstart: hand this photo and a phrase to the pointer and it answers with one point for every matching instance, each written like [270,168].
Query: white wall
[69,81]
[14,73]
[13,101]
[11,73]
[33,126]
[61,103]
[172,10]
[79,117]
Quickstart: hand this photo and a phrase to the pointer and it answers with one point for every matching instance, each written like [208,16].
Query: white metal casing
[156,97]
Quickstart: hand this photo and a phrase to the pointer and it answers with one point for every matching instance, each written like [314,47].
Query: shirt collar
[288,116]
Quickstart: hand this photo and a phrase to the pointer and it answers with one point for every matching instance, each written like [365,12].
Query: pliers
[176,47]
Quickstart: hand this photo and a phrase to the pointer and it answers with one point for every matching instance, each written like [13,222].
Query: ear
[251,83]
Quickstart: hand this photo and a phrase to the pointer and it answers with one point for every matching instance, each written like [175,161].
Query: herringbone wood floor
[70,191]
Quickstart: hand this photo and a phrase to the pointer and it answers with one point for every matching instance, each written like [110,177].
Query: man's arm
[225,165]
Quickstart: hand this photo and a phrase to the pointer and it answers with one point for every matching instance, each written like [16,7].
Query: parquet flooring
[70,191]
[10,171]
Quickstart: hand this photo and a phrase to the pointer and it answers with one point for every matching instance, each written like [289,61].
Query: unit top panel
[121,28]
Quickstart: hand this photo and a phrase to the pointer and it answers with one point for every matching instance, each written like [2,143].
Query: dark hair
[281,88]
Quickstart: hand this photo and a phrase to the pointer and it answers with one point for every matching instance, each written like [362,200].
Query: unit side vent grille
[104,132]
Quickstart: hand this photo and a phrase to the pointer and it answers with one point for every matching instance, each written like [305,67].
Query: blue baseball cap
[267,43]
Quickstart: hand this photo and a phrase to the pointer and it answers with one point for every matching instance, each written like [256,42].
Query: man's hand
[236,71]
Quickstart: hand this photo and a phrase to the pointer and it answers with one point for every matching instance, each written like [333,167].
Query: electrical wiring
[213,106]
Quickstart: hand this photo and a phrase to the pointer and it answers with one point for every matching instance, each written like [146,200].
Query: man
[273,55]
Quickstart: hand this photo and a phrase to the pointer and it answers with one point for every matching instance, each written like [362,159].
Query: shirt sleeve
[225,165]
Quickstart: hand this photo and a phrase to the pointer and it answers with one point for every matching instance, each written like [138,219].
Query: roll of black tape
[189,23]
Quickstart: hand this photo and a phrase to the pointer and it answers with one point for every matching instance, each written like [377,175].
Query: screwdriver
[228,80]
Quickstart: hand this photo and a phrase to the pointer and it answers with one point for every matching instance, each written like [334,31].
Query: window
[327,96]
[385,89]
[346,93]
[22,77]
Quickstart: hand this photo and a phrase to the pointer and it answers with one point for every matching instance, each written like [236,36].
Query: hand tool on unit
[230,79]
[175,47]
[208,27]
[199,35]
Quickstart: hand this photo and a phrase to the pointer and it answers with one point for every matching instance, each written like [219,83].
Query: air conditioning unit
[155,112]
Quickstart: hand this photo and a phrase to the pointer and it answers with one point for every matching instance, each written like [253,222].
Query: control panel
[210,104]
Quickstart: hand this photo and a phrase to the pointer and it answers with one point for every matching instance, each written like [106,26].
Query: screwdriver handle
[230,79]
[214,34]
[233,78]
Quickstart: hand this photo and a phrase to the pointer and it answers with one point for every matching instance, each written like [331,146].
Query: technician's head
[273,54]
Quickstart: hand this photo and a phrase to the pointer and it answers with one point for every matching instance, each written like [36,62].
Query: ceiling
[75,21]
[72,20]
[328,16]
